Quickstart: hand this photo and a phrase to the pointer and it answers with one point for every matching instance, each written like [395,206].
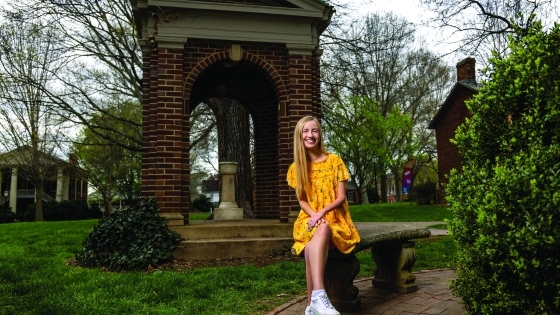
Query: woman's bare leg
[308,276]
[316,253]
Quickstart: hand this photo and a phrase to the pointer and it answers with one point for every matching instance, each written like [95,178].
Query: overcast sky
[413,12]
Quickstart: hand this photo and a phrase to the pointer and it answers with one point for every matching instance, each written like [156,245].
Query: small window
[350,196]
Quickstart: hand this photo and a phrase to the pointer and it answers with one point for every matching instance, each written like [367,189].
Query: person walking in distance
[324,222]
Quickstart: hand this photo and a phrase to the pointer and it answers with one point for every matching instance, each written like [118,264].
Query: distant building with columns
[64,181]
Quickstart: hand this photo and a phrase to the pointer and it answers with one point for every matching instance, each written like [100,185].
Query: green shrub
[6,214]
[63,211]
[373,196]
[423,193]
[95,211]
[129,239]
[202,203]
[506,198]
[50,212]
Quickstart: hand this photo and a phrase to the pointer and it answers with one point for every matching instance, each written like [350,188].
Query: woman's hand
[315,220]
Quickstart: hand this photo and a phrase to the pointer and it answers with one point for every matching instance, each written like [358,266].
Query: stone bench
[393,253]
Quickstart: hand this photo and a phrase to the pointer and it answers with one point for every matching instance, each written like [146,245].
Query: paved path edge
[299,299]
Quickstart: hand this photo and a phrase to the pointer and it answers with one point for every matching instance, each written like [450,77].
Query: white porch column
[13,190]
[81,189]
[66,188]
[59,184]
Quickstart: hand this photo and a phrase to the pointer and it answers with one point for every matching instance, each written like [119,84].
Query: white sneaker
[321,305]
[308,310]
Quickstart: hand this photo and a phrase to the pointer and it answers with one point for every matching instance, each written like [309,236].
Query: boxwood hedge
[506,197]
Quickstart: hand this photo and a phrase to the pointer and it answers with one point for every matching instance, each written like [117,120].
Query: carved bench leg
[340,273]
[394,267]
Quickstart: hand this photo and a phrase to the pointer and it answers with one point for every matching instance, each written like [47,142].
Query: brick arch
[257,69]
[262,65]
[270,72]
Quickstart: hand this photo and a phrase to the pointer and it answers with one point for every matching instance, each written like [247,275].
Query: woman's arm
[317,216]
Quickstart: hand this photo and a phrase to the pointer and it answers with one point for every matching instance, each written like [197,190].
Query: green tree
[378,58]
[30,55]
[505,199]
[106,63]
[106,69]
[111,169]
[356,130]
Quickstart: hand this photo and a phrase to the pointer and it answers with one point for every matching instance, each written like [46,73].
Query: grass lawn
[35,277]
[398,212]
[384,212]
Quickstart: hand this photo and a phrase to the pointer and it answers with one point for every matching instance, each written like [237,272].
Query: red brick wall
[448,154]
[162,119]
[276,87]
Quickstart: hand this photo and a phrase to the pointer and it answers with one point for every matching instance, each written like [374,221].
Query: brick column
[169,131]
[185,164]
[316,85]
[300,87]
[149,97]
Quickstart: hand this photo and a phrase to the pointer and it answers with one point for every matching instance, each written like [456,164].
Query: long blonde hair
[301,159]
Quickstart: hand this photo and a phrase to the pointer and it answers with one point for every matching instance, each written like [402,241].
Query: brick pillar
[162,129]
[149,97]
[301,88]
[185,164]
[316,85]
[169,132]
[287,201]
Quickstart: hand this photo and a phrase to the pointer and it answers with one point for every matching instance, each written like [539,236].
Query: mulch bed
[190,264]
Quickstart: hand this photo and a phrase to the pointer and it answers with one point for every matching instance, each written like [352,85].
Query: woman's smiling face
[311,135]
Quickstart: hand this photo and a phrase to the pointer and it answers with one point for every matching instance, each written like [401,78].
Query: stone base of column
[230,214]
[173,218]
[292,216]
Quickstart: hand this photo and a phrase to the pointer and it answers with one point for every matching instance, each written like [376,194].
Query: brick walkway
[433,297]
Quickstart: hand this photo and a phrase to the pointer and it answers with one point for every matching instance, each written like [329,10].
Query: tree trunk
[398,184]
[39,203]
[234,146]
[108,205]
[383,188]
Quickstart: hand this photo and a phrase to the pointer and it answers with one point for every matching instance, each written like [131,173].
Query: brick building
[262,53]
[451,114]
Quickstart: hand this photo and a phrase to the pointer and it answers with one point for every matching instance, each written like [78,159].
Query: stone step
[224,248]
[207,230]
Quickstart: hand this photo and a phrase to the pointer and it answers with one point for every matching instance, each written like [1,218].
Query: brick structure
[453,113]
[263,54]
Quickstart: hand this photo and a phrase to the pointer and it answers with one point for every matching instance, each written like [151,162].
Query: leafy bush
[373,196]
[423,193]
[50,212]
[63,211]
[202,203]
[95,211]
[506,198]
[129,239]
[6,214]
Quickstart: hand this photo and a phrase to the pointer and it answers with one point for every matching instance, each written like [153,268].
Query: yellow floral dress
[325,178]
